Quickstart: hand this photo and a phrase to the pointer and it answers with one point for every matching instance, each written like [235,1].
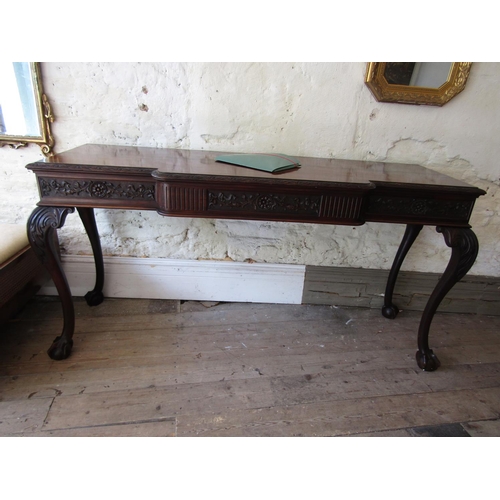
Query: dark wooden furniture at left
[21,272]
[185,183]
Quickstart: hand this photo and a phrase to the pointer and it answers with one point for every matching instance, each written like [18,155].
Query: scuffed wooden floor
[162,368]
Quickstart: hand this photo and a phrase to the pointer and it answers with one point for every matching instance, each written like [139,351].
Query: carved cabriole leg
[389,310]
[95,296]
[464,248]
[42,223]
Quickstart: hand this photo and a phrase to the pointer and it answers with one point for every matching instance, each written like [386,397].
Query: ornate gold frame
[45,118]
[384,92]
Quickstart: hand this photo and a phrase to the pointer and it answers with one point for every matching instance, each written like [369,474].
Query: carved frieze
[393,205]
[264,202]
[96,189]
[334,207]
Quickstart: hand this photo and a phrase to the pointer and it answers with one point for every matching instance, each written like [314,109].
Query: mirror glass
[429,83]
[18,106]
[25,112]
[417,74]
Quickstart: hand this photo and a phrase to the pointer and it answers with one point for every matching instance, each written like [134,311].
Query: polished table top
[185,183]
[165,163]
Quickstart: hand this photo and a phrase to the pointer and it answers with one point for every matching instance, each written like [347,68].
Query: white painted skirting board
[186,280]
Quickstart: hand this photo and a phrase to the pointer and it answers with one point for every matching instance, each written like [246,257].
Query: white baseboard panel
[186,280]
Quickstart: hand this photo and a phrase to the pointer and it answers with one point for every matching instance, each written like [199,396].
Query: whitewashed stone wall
[308,109]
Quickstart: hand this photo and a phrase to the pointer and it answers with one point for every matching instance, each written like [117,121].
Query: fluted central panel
[185,199]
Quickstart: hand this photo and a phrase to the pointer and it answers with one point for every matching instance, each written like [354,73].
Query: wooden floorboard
[165,368]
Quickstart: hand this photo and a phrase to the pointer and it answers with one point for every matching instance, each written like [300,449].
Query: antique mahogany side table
[185,183]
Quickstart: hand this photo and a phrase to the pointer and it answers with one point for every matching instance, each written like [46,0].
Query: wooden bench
[21,273]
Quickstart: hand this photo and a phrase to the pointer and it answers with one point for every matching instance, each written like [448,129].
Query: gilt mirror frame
[404,94]
[44,115]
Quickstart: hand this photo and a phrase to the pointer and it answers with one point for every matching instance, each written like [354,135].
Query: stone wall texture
[306,109]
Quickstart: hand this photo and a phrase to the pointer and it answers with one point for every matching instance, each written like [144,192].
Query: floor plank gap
[173,368]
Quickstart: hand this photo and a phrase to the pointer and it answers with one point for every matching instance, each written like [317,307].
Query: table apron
[318,205]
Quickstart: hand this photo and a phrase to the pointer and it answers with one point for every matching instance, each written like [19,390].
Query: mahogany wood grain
[186,183]
[169,163]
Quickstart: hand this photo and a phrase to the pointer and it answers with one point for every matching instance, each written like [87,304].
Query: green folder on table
[271,163]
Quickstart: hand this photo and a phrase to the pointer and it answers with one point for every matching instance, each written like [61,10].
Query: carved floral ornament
[420,206]
[379,79]
[263,202]
[96,189]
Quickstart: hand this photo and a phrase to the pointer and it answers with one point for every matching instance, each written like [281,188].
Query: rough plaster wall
[310,109]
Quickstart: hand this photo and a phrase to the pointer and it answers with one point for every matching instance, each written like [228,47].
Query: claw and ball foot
[390,311]
[60,348]
[94,297]
[427,361]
